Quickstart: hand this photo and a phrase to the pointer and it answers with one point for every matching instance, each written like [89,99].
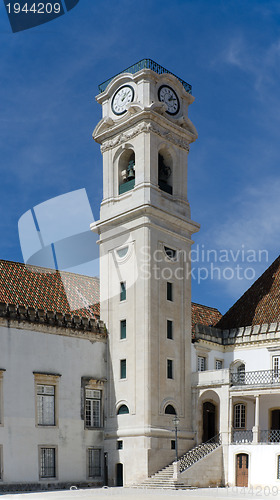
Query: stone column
[257,419]
[230,417]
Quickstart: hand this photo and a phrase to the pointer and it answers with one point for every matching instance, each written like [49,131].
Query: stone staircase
[164,479]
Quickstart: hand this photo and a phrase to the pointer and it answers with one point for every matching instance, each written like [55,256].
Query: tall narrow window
[201,363]
[45,405]
[239,416]
[47,462]
[169,368]
[123,329]
[169,329]
[123,368]
[169,291]
[123,291]
[276,366]
[278,467]
[93,408]
[46,394]
[94,462]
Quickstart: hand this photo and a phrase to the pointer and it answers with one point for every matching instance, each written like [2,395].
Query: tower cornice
[110,134]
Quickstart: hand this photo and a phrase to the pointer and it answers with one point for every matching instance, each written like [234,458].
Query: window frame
[240,418]
[276,366]
[92,385]
[199,359]
[48,380]
[89,449]
[169,291]
[123,329]
[170,369]
[123,366]
[42,447]
[219,361]
[169,329]
[122,291]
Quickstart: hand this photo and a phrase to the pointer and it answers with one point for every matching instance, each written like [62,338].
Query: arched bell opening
[126,171]
[165,174]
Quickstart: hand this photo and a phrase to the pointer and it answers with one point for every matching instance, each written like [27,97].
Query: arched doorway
[241,468]
[209,421]
[119,474]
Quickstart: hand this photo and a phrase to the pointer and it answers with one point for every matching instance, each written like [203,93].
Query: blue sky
[228,50]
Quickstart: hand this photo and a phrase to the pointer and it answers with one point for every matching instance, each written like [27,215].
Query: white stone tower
[145,240]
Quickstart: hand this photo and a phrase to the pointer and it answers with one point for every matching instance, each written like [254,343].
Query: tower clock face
[122,97]
[167,95]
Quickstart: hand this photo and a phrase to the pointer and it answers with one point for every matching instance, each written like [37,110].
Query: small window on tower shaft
[169,368]
[169,329]
[169,291]
[123,291]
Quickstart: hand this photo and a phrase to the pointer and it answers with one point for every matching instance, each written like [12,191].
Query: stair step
[163,479]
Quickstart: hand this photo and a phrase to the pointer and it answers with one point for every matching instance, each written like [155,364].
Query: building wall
[24,351]
[262,466]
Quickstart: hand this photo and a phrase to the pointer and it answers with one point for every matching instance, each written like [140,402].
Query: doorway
[209,421]
[119,474]
[242,466]
[274,434]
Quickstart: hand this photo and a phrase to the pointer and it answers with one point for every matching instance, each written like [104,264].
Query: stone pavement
[141,494]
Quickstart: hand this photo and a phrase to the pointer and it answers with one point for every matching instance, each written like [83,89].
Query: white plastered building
[109,395]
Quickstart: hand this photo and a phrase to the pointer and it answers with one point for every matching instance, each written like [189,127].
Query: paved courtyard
[133,494]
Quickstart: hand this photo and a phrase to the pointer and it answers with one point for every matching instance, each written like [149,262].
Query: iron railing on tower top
[145,64]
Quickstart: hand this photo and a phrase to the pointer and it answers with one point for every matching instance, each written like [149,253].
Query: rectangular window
[45,404]
[276,366]
[94,462]
[278,467]
[169,329]
[47,462]
[239,416]
[119,445]
[173,444]
[169,291]
[201,363]
[123,329]
[93,408]
[169,368]
[123,368]
[219,364]
[123,291]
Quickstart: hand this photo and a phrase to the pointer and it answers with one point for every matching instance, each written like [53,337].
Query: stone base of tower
[140,457]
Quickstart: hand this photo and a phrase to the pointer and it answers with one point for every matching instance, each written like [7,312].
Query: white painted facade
[35,354]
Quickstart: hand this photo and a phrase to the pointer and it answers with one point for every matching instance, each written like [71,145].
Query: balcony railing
[242,436]
[246,436]
[272,436]
[260,377]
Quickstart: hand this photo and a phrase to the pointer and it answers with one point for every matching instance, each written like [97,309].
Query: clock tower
[145,230]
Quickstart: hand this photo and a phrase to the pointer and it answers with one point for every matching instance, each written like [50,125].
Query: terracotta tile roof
[50,290]
[259,304]
[204,315]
